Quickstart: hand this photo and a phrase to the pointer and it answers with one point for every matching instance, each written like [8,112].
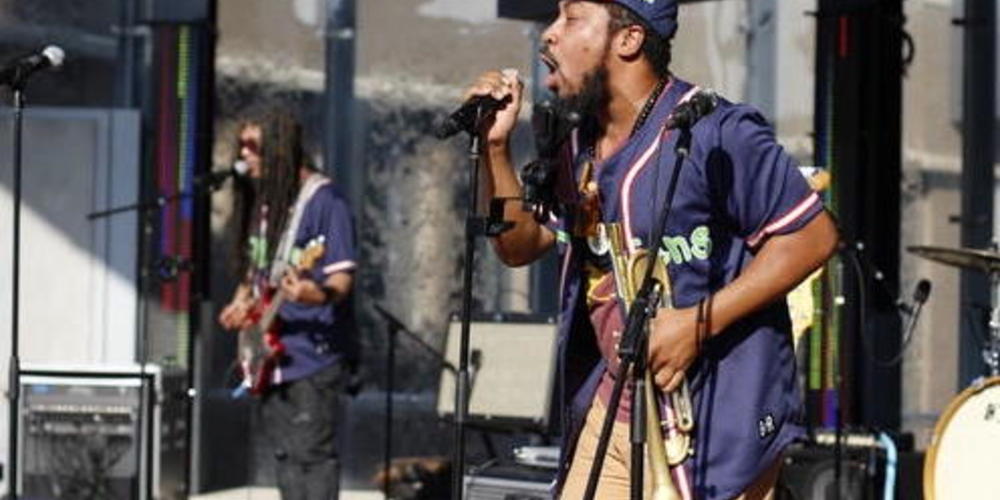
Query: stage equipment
[467,117]
[546,457]
[86,436]
[393,328]
[809,473]
[642,291]
[965,450]
[986,261]
[16,76]
[475,226]
[966,445]
[509,482]
[512,381]
[16,73]
[668,428]
[552,124]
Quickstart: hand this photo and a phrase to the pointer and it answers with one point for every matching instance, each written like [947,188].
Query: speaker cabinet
[512,370]
[88,433]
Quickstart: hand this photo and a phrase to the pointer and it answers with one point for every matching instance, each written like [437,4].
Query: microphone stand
[394,326]
[167,269]
[490,226]
[14,376]
[633,350]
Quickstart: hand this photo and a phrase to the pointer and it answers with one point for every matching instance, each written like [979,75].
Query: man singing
[744,229]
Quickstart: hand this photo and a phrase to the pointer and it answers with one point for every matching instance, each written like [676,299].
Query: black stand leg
[638,431]
[633,350]
[606,427]
[462,380]
[14,388]
[390,367]
[475,226]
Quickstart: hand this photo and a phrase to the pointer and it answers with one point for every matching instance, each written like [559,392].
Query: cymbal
[983,260]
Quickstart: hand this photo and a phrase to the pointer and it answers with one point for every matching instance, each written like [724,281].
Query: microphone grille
[241,167]
[55,55]
[923,290]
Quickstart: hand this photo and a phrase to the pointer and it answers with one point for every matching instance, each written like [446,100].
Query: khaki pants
[614,483]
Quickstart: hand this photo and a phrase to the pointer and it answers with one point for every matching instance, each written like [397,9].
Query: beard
[590,100]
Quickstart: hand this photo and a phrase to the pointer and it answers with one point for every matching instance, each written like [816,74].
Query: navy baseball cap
[661,15]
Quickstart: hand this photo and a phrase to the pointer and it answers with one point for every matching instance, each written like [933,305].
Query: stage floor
[272,494]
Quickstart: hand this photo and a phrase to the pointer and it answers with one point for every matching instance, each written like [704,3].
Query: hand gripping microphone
[16,72]
[466,117]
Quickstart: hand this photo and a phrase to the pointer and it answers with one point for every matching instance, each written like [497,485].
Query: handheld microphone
[687,113]
[552,123]
[216,177]
[464,119]
[16,72]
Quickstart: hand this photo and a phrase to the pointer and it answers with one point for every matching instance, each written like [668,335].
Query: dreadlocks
[281,155]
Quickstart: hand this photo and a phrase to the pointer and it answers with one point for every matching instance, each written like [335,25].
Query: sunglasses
[250,145]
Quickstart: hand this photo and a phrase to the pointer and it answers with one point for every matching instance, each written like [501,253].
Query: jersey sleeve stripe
[337,267]
[784,221]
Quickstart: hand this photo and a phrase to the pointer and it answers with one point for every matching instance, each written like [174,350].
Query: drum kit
[965,448]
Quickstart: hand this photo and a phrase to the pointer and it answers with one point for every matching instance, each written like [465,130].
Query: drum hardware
[965,446]
[986,261]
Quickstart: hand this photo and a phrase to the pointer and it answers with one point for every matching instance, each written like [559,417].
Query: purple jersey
[737,188]
[318,336]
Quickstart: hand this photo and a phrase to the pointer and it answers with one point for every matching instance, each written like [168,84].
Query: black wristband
[329,294]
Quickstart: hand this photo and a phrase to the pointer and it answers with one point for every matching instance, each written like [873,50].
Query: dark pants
[300,418]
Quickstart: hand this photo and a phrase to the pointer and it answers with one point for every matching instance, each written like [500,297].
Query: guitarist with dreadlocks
[299,314]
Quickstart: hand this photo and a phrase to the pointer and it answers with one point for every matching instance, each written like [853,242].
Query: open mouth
[548,59]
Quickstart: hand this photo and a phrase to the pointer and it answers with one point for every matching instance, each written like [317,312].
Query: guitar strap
[283,254]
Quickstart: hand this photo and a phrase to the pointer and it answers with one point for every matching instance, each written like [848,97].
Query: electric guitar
[259,348]
[801,306]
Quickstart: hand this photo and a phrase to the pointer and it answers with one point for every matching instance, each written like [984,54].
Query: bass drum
[963,460]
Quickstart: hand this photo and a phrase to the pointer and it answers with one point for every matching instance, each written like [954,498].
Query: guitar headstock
[311,253]
[818,178]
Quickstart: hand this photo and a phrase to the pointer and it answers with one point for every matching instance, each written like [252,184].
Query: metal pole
[978,120]
[339,102]
[14,388]
[462,378]
[390,368]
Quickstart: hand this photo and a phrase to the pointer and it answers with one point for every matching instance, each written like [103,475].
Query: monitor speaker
[511,371]
[809,473]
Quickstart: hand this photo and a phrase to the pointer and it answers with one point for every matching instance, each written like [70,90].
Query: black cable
[867,347]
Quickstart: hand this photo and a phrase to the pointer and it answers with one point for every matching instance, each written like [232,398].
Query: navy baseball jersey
[737,189]
[317,336]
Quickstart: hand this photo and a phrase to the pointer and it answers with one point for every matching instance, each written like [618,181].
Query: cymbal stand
[991,351]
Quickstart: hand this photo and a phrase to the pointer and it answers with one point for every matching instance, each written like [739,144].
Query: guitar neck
[267,319]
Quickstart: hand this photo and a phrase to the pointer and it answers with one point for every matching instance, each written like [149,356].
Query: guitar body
[260,348]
